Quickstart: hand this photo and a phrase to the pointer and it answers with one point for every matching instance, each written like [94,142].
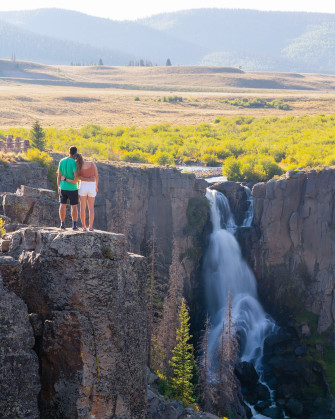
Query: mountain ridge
[253,40]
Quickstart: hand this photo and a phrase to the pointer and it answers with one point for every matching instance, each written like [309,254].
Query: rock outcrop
[294,254]
[32,206]
[87,302]
[237,196]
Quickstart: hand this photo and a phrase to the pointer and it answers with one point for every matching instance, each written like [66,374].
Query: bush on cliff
[251,168]
[2,230]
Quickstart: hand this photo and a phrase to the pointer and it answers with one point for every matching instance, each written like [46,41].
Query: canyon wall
[293,243]
[154,207]
[86,298]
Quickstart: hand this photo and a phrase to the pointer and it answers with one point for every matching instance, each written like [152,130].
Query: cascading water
[224,270]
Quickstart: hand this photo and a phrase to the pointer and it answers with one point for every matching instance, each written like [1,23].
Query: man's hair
[73,150]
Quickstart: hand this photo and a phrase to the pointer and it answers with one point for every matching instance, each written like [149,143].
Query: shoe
[84,229]
[62,227]
[91,229]
[75,228]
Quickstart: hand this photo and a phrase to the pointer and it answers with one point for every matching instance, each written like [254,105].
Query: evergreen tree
[37,136]
[168,62]
[100,62]
[182,362]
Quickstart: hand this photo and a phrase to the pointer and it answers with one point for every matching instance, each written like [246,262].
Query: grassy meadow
[256,125]
[248,148]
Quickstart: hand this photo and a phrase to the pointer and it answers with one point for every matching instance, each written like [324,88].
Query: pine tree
[168,62]
[182,362]
[37,136]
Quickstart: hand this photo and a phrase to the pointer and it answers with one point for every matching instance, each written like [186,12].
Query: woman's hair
[79,160]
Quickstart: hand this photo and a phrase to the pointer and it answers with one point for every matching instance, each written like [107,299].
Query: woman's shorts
[87,189]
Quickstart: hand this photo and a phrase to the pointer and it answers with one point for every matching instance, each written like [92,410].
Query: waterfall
[225,269]
[250,211]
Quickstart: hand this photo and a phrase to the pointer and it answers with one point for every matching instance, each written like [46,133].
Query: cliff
[293,250]
[86,298]
[154,207]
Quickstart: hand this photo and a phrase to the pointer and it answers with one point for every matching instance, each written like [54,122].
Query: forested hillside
[253,40]
[26,45]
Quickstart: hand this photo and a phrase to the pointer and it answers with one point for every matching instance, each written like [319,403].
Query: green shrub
[136,156]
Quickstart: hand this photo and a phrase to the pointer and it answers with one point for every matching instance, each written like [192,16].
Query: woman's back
[87,169]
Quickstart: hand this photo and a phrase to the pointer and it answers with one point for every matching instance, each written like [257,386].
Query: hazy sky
[133,9]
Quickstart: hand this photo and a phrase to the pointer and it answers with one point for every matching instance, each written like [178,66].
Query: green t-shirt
[67,167]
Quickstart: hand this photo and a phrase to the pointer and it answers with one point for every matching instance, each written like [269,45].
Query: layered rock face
[19,378]
[22,173]
[87,299]
[153,206]
[294,253]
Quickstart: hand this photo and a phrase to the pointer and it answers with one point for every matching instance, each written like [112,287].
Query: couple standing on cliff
[71,170]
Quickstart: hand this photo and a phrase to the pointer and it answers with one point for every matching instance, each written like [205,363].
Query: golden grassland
[68,96]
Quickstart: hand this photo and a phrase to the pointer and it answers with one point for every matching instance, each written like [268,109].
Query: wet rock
[262,392]
[305,331]
[262,405]
[301,351]
[273,412]
[294,407]
[237,197]
[246,373]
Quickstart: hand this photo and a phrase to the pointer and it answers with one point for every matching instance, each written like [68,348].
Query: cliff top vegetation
[248,148]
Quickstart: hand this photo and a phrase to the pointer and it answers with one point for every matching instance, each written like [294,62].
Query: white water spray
[224,270]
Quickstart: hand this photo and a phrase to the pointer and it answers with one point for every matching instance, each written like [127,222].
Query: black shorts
[71,195]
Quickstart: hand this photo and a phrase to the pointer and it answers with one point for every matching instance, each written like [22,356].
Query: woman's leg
[83,203]
[90,203]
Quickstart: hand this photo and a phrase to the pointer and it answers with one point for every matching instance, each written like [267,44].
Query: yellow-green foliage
[2,230]
[44,159]
[248,148]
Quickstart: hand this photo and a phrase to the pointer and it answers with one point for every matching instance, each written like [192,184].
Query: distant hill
[131,38]
[26,45]
[253,40]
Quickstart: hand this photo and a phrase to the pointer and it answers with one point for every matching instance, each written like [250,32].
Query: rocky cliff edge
[86,298]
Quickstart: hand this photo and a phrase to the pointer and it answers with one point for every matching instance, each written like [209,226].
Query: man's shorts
[87,189]
[71,195]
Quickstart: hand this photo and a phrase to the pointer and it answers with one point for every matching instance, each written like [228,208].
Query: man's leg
[62,213]
[74,212]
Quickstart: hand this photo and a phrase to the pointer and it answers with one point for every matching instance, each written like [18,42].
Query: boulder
[246,373]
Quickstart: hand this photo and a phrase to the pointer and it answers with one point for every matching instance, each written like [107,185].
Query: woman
[87,173]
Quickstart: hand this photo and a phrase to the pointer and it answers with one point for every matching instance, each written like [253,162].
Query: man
[68,191]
